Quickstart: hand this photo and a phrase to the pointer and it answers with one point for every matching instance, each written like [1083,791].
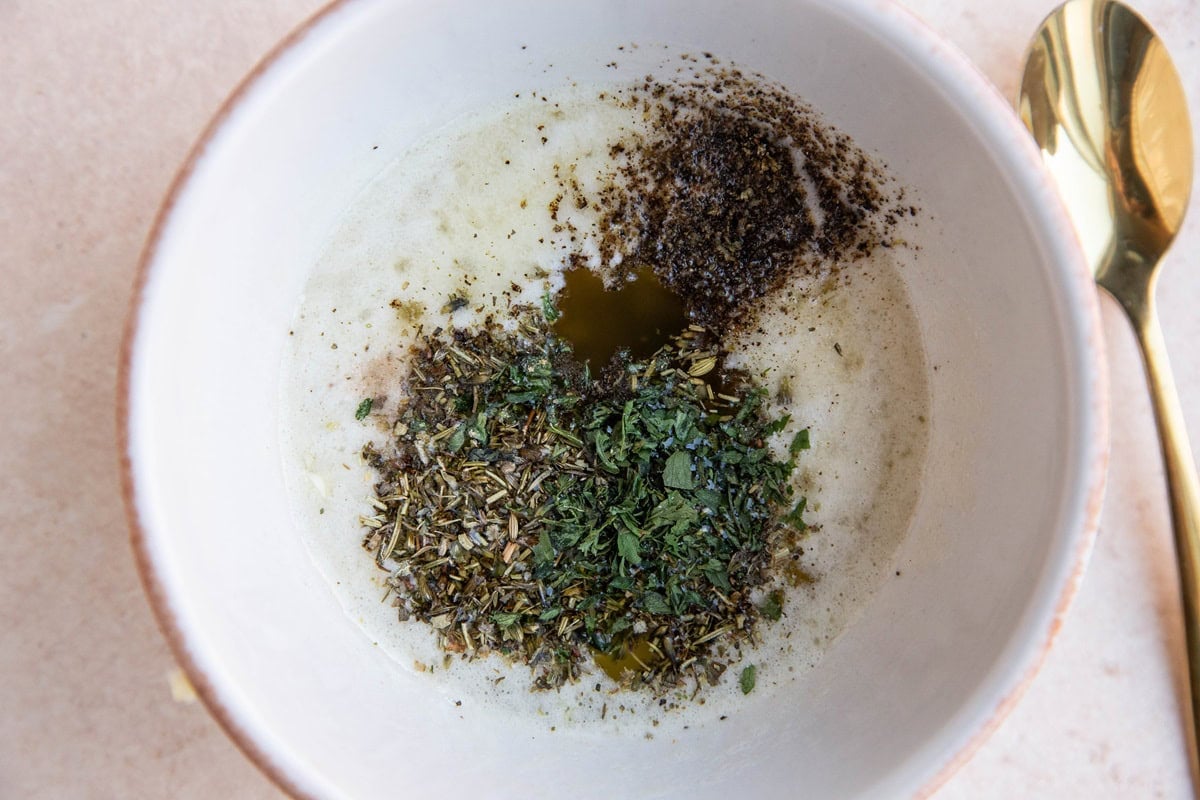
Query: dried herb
[551,313]
[772,606]
[364,408]
[748,679]
[529,509]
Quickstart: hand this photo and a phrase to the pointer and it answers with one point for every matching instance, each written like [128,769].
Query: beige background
[99,104]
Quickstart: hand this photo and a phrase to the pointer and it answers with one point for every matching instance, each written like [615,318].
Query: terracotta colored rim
[155,591]
[1084,291]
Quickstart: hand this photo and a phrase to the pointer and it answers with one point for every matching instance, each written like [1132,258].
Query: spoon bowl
[1106,106]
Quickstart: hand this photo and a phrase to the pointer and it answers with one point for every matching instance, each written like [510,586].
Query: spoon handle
[1183,489]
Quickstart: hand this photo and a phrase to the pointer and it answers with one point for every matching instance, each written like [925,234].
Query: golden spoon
[1105,105]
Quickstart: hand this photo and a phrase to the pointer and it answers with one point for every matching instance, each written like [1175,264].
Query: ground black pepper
[738,187]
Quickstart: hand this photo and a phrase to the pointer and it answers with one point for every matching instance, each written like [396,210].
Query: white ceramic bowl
[1016,457]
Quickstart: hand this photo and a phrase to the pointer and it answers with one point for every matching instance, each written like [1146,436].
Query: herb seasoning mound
[522,510]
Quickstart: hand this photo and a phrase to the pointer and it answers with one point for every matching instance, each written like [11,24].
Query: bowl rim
[986,103]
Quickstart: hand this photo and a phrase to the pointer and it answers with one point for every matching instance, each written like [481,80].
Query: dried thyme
[528,509]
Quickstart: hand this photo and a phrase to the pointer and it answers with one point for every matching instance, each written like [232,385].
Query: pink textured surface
[100,106]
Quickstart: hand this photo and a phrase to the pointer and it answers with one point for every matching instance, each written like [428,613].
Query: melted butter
[634,655]
[640,316]
[796,575]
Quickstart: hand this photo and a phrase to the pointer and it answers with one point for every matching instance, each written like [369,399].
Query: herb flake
[677,473]
[749,679]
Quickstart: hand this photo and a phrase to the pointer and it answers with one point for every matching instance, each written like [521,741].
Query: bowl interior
[1015,433]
